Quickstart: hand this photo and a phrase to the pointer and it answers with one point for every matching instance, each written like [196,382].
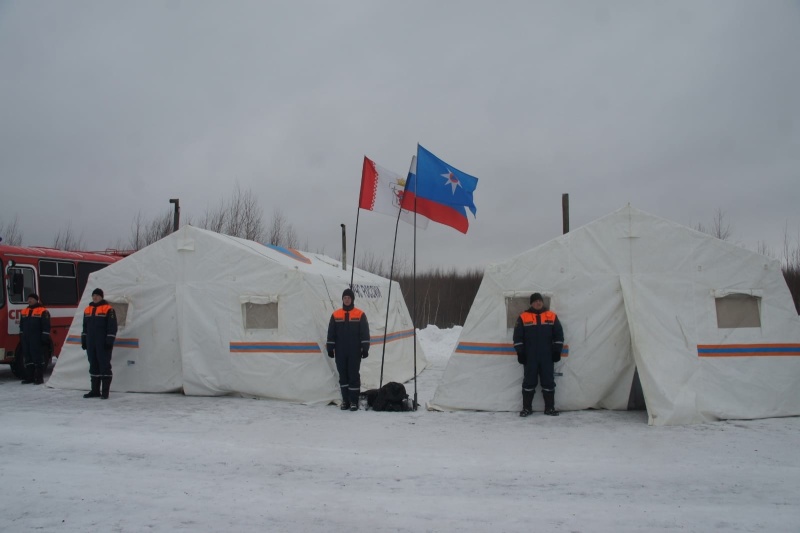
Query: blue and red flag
[440,192]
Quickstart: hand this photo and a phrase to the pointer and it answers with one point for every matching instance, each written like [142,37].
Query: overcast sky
[683,109]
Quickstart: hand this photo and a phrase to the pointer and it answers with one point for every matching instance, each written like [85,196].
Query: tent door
[636,399]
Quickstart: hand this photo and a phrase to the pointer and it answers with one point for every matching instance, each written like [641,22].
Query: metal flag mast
[389,297]
[414,289]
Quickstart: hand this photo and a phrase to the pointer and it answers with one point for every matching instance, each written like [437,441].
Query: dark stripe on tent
[126,343]
[118,343]
[378,339]
[480,348]
[274,347]
[747,350]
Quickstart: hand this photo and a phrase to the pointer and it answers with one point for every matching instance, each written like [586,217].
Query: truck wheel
[18,366]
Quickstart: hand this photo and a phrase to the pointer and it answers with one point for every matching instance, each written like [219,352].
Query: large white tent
[710,327]
[210,314]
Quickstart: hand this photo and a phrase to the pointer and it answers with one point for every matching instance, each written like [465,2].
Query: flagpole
[355,240]
[414,288]
[389,297]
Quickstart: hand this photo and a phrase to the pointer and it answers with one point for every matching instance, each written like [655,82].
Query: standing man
[348,343]
[538,340]
[34,329]
[99,334]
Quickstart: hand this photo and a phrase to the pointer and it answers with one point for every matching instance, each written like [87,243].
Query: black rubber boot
[95,392]
[28,375]
[38,377]
[345,406]
[549,403]
[527,403]
[105,381]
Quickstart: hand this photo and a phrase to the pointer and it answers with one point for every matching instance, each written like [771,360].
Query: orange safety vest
[100,310]
[546,318]
[355,315]
[37,311]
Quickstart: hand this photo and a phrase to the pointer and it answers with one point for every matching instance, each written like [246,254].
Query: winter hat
[349,292]
[536,296]
[34,296]
[98,292]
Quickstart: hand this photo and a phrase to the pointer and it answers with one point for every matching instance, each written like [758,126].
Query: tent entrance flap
[636,400]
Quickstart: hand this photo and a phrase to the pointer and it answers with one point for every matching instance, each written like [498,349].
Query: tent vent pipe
[344,248]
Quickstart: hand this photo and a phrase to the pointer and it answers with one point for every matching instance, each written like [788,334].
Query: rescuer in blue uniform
[34,332]
[97,338]
[348,343]
[538,341]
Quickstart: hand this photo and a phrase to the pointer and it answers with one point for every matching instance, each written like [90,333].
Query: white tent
[710,327]
[210,314]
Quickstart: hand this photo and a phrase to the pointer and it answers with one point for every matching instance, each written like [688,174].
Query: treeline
[791,272]
[438,297]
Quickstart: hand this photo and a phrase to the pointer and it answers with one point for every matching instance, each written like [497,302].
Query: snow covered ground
[165,462]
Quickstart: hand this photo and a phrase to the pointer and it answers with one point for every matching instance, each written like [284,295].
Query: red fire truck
[58,277]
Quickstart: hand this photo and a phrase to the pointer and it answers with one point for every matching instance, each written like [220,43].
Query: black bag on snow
[390,397]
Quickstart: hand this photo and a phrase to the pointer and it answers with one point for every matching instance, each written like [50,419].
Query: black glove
[556,351]
[109,344]
[83,343]
[520,355]
[331,353]
[45,339]
[364,353]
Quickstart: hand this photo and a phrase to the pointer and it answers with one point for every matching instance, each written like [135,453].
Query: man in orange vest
[538,340]
[348,343]
[97,338]
[34,330]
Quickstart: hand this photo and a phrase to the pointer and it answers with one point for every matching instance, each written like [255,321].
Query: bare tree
[291,237]
[371,263]
[213,219]
[275,232]
[10,233]
[764,249]
[281,232]
[144,233]
[65,239]
[239,216]
[719,228]
[252,226]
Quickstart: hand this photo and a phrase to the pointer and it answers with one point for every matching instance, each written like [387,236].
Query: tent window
[738,311]
[260,316]
[121,309]
[516,305]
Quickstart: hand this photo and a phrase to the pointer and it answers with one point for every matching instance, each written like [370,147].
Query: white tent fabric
[634,291]
[186,299]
